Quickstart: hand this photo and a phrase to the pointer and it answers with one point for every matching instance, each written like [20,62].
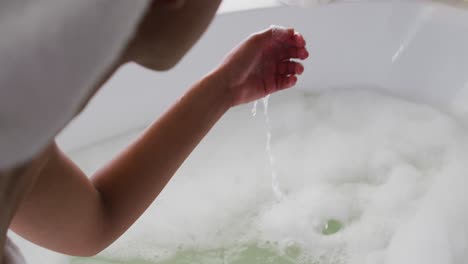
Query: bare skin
[85,215]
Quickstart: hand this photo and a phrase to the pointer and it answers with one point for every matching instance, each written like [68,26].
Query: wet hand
[263,64]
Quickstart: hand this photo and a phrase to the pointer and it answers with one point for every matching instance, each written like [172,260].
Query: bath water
[368,178]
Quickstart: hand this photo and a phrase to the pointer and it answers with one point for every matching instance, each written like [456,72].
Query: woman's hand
[263,64]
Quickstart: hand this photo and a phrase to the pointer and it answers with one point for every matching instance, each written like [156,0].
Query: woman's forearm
[130,183]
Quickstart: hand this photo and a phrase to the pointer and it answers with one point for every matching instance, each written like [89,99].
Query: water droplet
[254,108]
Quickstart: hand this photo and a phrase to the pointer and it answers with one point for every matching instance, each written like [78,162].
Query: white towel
[51,53]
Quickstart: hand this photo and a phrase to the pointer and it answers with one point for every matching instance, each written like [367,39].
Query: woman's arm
[72,214]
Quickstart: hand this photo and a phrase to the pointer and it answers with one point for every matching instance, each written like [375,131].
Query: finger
[281,33]
[295,53]
[296,40]
[290,67]
[285,81]
[299,40]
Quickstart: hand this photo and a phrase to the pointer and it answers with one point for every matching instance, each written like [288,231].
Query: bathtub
[416,50]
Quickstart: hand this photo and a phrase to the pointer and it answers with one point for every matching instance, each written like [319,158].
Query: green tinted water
[251,254]
[247,254]
[332,227]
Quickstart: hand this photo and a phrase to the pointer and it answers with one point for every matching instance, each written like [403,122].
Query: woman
[64,51]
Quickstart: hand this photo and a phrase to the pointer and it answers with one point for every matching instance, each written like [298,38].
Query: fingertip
[299,39]
[303,54]
[280,32]
[293,80]
[290,81]
[299,68]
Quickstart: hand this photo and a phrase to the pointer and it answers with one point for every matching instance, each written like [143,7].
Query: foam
[392,172]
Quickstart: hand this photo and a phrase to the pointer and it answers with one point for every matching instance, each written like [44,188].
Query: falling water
[254,109]
[274,175]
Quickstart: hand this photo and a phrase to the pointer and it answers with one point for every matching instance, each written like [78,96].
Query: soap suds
[391,173]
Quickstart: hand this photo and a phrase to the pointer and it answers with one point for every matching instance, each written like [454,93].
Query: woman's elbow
[87,249]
